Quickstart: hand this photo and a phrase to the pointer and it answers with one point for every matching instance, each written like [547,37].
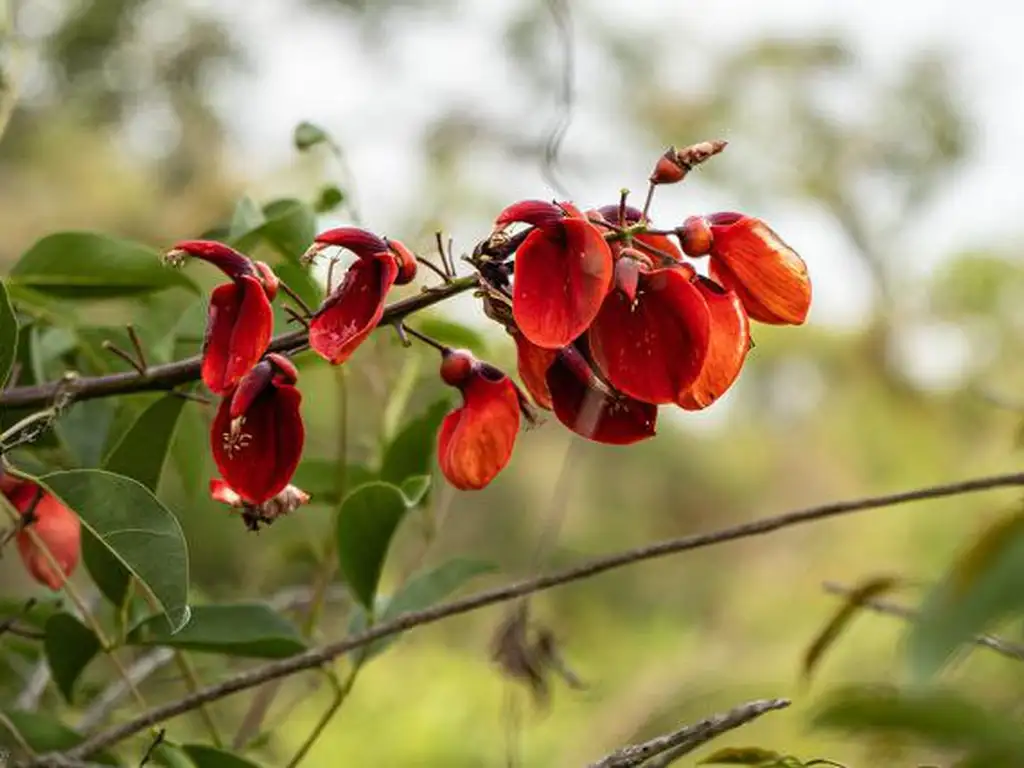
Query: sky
[309,65]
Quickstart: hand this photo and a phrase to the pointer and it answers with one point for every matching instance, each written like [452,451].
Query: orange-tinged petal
[239,326]
[593,410]
[56,526]
[533,363]
[353,309]
[768,275]
[727,349]
[562,274]
[475,441]
[258,450]
[654,347]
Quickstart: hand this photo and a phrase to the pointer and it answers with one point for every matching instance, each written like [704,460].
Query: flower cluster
[609,318]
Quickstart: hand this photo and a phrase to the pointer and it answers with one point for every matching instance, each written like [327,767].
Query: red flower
[56,526]
[591,408]
[727,348]
[257,434]
[749,258]
[651,337]
[562,272]
[533,363]
[662,245]
[475,440]
[287,500]
[240,320]
[354,308]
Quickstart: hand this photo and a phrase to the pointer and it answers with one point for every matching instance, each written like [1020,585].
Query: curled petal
[591,409]
[475,441]
[225,494]
[652,348]
[538,213]
[727,348]
[226,259]
[770,278]
[57,527]
[561,278]
[362,243]
[406,262]
[286,501]
[240,323]
[533,363]
[258,449]
[355,307]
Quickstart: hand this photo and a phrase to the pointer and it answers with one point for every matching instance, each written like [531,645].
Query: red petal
[259,455]
[652,349]
[224,493]
[475,441]
[561,278]
[533,363]
[769,276]
[240,323]
[226,259]
[362,243]
[354,308]
[538,213]
[58,528]
[730,342]
[664,246]
[590,409]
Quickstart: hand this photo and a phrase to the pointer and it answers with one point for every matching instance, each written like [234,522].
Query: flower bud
[695,236]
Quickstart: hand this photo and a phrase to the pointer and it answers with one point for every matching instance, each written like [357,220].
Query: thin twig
[162,377]
[295,315]
[318,656]
[126,356]
[140,355]
[446,257]
[445,278]
[647,201]
[156,742]
[672,746]
[295,297]
[403,328]
[997,644]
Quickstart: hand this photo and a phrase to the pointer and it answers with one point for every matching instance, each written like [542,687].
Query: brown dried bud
[675,164]
[695,154]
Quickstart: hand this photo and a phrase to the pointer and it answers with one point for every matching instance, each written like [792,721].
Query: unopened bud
[695,236]
[668,169]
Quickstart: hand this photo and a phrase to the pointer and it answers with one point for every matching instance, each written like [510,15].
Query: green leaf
[421,591]
[329,198]
[8,335]
[140,455]
[309,135]
[367,520]
[401,391]
[139,530]
[414,488]
[855,600]
[143,449]
[939,718]
[83,429]
[69,647]
[190,463]
[289,227]
[246,217]
[982,587]
[211,757]
[252,630]
[741,756]
[454,335]
[321,479]
[171,756]
[45,733]
[412,451]
[94,266]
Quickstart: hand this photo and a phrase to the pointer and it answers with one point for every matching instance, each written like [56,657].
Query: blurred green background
[880,145]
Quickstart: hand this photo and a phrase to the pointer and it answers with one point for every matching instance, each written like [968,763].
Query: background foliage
[121,126]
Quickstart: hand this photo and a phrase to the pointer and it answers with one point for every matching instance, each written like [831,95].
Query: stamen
[236,440]
[175,257]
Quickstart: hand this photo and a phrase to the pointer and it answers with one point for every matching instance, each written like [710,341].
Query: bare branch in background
[674,745]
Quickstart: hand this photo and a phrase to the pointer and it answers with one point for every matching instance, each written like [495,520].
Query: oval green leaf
[69,646]
[309,135]
[136,528]
[94,266]
[141,455]
[421,591]
[367,520]
[8,335]
[45,733]
[413,449]
[982,587]
[252,630]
